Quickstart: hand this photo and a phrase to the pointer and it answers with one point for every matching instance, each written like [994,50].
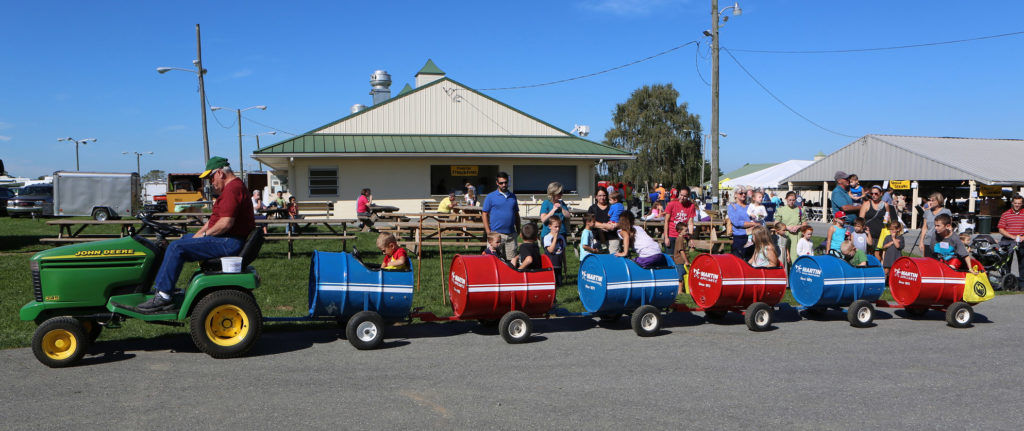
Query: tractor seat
[250,250]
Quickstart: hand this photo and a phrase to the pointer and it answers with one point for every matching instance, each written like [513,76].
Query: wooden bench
[429,206]
[316,209]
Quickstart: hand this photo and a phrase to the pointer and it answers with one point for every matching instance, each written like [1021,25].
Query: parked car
[34,200]
[5,194]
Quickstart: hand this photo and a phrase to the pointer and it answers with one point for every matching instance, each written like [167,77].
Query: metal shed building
[954,165]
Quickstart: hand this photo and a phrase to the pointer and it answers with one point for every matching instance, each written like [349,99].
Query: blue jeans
[189,249]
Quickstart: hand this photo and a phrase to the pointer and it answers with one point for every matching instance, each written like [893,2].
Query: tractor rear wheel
[60,341]
[226,324]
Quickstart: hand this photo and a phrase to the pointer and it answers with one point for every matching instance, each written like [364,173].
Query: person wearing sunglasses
[877,215]
[501,214]
[740,221]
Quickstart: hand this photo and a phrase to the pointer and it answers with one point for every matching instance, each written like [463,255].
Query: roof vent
[380,82]
[358,107]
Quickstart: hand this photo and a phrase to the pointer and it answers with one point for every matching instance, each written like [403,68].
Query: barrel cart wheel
[715,315]
[60,341]
[226,324]
[960,315]
[365,330]
[758,317]
[515,327]
[646,321]
[860,314]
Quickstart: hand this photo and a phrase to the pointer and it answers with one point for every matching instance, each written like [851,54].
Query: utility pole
[714,104]
[202,96]
[241,168]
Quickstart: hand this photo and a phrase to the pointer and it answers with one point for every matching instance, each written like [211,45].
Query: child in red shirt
[394,255]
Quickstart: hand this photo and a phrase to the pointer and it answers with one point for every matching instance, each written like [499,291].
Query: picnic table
[70,230]
[337,229]
[706,235]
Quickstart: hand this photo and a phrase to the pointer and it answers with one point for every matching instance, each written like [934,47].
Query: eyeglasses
[501,183]
[875,194]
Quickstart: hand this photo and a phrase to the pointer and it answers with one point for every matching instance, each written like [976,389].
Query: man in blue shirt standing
[841,200]
[501,214]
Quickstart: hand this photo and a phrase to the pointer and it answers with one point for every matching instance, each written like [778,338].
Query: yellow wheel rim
[227,325]
[59,344]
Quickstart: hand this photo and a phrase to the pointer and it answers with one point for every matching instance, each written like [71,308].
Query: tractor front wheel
[60,341]
[226,324]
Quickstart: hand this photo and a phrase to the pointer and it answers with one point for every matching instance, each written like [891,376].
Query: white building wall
[445,108]
[405,182]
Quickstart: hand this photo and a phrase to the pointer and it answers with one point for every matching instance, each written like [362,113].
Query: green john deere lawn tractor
[80,289]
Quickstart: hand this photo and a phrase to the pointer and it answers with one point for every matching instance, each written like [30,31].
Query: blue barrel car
[360,296]
[822,282]
[610,286]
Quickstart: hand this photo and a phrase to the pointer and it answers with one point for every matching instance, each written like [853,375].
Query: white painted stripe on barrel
[731,281]
[654,283]
[833,281]
[354,287]
[511,288]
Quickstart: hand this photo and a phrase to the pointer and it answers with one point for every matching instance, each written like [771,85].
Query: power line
[917,45]
[766,90]
[696,64]
[267,126]
[560,81]
[208,104]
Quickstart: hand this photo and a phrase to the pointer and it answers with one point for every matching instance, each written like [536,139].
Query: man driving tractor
[223,235]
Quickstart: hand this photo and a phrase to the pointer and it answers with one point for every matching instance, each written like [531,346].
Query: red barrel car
[720,283]
[919,284]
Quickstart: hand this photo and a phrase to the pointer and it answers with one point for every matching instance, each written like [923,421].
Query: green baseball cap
[215,162]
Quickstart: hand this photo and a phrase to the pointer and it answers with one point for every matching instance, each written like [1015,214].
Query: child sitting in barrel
[950,249]
[680,257]
[648,250]
[554,247]
[764,252]
[394,254]
[853,255]
[805,246]
[529,253]
[494,247]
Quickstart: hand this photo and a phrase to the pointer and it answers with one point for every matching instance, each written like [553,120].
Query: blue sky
[87,69]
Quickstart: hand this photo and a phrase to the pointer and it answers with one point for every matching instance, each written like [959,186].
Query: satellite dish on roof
[582,130]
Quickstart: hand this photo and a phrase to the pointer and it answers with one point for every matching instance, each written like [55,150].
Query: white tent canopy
[769,178]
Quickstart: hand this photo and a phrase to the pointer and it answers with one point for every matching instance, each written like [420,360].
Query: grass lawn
[283,292]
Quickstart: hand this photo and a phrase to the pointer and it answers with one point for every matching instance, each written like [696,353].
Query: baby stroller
[996,260]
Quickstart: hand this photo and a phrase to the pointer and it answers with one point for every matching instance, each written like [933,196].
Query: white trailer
[99,195]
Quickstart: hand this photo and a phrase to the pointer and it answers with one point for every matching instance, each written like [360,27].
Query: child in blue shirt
[856,191]
[616,208]
[588,243]
[554,247]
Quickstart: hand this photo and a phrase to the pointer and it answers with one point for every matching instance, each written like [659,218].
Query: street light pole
[138,165]
[202,95]
[76,141]
[714,93]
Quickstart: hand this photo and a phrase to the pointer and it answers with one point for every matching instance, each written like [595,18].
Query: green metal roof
[317,143]
[747,169]
[430,69]
[405,89]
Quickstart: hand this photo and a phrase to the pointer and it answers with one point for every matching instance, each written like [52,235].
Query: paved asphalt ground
[803,375]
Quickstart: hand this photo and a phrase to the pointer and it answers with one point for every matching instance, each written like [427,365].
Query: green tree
[154,175]
[662,134]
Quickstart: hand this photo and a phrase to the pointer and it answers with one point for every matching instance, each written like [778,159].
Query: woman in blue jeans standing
[740,223]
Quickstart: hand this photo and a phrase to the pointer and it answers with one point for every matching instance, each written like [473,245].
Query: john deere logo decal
[979,288]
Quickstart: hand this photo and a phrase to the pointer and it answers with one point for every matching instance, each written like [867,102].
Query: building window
[527,179]
[323,181]
[453,178]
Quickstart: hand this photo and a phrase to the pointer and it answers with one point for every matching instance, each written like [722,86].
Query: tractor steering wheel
[162,229]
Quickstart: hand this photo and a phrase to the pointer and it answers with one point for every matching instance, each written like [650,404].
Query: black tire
[1010,283]
[916,313]
[226,324]
[515,327]
[960,315]
[646,321]
[365,330]
[996,279]
[92,329]
[60,342]
[101,214]
[715,315]
[861,314]
[758,317]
